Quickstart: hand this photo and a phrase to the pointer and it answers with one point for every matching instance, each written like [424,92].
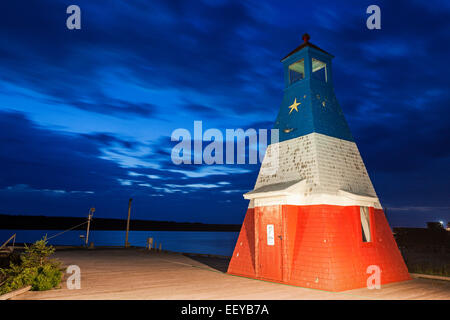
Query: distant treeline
[62,223]
[413,237]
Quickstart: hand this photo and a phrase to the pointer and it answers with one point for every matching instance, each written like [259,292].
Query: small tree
[35,269]
[37,254]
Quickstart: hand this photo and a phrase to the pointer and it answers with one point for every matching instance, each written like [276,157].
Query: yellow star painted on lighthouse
[294,106]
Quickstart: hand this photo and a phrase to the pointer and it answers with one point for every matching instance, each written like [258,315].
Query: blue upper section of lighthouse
[309,103]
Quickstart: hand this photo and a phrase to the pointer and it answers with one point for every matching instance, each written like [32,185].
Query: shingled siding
[328,164]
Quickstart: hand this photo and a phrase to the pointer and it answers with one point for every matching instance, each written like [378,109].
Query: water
[221,243]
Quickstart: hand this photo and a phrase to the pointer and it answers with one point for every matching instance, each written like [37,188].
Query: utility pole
[128,223]
[91,213]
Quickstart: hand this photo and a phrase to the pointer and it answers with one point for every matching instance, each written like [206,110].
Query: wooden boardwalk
[138,274]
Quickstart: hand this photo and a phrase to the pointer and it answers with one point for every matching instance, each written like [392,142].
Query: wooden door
[270,242]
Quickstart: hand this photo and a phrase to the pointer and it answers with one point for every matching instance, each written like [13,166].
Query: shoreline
[23,222]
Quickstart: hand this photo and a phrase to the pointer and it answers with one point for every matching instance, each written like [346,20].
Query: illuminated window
[365,224]
[297,71]
[319,70]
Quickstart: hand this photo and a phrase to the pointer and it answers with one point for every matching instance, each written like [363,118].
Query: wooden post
[160,247]
[149,243]
[91,213]
[128,223]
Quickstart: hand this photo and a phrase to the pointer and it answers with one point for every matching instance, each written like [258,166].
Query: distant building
[435,225]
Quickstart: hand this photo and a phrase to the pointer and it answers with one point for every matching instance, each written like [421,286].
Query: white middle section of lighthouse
[313,169]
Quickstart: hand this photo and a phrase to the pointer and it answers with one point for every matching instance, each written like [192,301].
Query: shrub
[35,269]
[47,277]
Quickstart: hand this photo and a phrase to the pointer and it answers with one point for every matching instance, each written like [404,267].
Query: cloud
[235,191]
[125,182]
[210,171]
[116,107]
[145,185]
[31,154]
[26,188]
[150,176]
[412,208]
[194,185]
[127,158]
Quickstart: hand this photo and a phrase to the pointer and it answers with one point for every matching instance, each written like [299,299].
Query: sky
[86,115]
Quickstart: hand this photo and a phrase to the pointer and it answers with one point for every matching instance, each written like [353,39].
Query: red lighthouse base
[316,246]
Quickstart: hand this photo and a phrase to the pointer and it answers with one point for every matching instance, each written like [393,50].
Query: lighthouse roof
[275,189]
[305,44]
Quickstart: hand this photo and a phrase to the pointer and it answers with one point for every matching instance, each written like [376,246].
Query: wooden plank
[429,276]
[14,293]
[142,274]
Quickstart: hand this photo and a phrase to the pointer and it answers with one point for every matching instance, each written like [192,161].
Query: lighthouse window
[297,71]
[319,70]
[365,224]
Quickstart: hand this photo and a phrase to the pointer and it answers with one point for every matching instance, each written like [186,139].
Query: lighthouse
[314,218]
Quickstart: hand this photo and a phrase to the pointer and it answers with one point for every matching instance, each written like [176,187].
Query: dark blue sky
[86,115]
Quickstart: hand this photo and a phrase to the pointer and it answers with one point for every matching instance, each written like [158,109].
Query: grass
[431,260]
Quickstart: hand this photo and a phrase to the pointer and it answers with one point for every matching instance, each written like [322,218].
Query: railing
[13,237]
